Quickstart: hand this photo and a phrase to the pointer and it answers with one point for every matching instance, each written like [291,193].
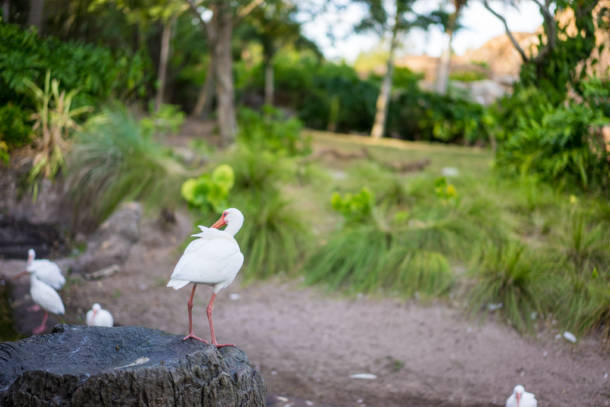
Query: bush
[209,190]
[272,131]
[561,144]
[93,70]
[15,131]
[116,159]
[510,275]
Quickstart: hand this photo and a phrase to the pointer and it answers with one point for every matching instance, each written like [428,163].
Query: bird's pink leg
[43,324]
[34,308]
[190,309]
[209,312]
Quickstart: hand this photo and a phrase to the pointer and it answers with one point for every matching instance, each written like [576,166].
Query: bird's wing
[205,260]
[48,272]
[511,401]
[47,298]
[89,318]
[104,318]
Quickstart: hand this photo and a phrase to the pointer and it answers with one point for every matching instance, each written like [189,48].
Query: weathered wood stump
[96,366]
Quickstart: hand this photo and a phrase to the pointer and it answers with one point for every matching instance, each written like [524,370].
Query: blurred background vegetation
[509,205]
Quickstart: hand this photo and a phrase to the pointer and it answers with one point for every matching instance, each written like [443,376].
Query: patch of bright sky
[332,29]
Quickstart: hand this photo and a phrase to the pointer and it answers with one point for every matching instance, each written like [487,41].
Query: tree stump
[98,366]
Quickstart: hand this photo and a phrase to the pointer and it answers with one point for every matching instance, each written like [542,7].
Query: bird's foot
[222,345]
[34,308]
[39,330]
[191,336]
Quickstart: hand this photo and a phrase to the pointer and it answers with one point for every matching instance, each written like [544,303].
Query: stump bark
[98,366]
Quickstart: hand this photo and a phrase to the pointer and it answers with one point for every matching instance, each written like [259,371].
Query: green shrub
[562,143]
[115,159]
[93,70]
[210,190]
[274,236]
[15,131]
[510,275]
[354,207]
[272,131]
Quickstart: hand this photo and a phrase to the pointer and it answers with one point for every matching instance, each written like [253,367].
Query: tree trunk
[36,13]
[204,101]
[224,74]
[269,85]
[129,366]
[163,58]
[6,10]
[386,87]
[444,66]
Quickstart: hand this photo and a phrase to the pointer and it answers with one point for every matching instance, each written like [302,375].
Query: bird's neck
[233,228]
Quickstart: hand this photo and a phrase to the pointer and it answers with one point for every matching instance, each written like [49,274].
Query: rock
[19,235]
[85,366]
[110,245]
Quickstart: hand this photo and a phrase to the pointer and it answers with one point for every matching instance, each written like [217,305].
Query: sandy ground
[307,342]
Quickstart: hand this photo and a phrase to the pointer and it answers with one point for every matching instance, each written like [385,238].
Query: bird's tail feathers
[177,284]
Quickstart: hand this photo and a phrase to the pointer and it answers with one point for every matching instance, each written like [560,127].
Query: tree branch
[508,33]
[550,30]
[248,9]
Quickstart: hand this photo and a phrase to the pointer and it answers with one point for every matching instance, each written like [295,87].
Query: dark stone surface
[110,244]
[19,235]
[87,366]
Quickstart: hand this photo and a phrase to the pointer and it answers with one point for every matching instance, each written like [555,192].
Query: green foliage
[210,190]
[166,119]
[354,207]
[445,191]
[93,70]
[14,128]
[272,131]
[274,236]
[467,76]
[53,122]
[562,144]
[116,159]
[511,275]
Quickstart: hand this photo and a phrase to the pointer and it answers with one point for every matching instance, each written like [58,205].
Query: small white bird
[213,259]
[97,316]
[521,398]
[47,298]
[46,271]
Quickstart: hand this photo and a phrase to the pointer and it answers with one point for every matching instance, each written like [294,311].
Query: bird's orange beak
[219,223]
[19,275]
[518,397]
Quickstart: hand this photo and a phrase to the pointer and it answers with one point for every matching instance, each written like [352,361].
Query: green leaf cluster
[210,190]
[354,207]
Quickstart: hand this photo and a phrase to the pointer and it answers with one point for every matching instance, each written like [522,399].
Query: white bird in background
[45,297]
[46,271]
[521,398]
[97,316]
[213,259]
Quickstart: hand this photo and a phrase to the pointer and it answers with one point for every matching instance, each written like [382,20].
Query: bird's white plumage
[46,271]
[97,316]
[526,400]
[214,258]
[45,296]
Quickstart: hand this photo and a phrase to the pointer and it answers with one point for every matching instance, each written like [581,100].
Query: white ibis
[97,316]
[45,297]
[521,398]
[45,270]
[213,259]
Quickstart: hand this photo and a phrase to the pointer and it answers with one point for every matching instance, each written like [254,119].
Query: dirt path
[308,343]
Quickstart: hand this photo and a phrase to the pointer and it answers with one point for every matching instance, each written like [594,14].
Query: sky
[480,26]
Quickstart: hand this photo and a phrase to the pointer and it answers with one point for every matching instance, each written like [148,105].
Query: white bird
[97,316]
[213,259]
[46,271]
[521,398]
[45,297]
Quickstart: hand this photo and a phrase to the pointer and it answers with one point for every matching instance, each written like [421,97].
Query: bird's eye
[225,214]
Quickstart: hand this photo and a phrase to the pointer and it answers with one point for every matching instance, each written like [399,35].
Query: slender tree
[450,25]
[36,13]
[6,10]
[391,19]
